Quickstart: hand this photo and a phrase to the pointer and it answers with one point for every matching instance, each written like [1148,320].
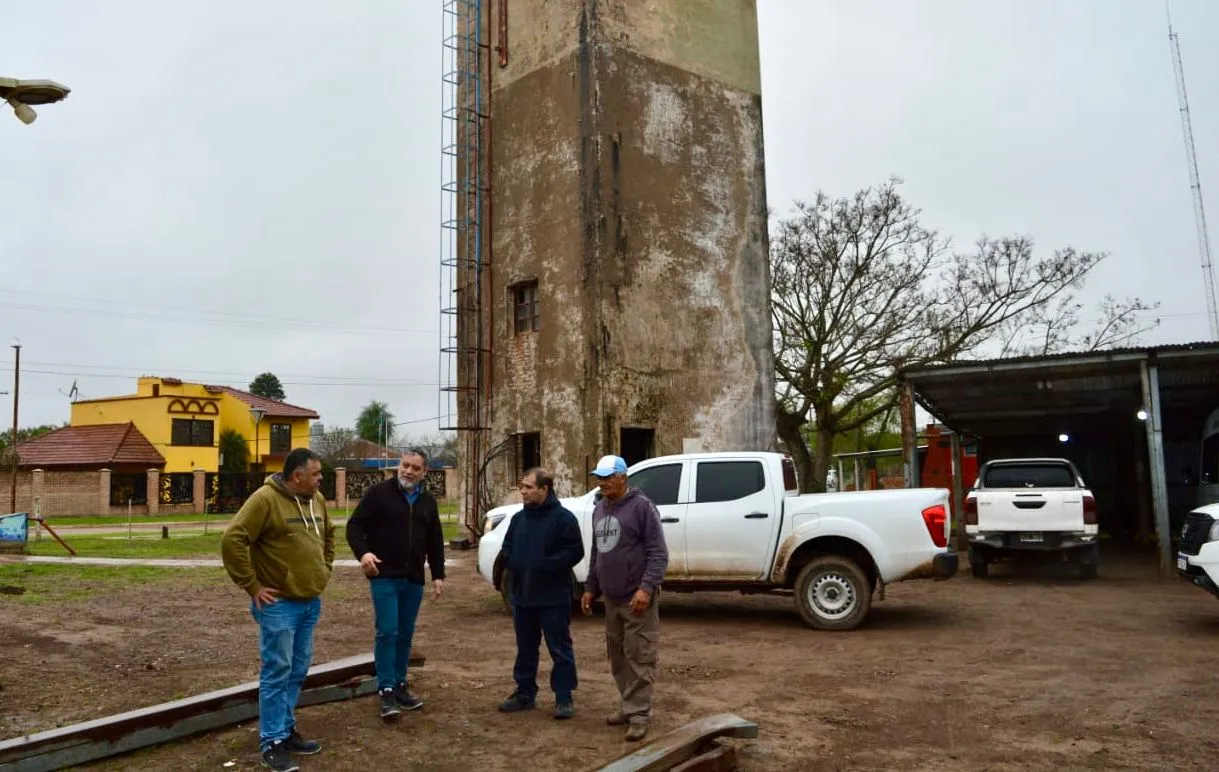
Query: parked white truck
[1198,551]
[1030,505]
[736,522]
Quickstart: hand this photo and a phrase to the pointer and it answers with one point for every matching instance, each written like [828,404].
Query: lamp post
[12,445]
[256,413]
[22,95]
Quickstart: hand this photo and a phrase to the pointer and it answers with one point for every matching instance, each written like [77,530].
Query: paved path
[159,562]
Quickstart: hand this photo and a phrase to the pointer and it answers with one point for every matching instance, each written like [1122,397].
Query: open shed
[1132,420]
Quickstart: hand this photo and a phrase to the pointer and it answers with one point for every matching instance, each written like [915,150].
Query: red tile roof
[273,407]
[100,445]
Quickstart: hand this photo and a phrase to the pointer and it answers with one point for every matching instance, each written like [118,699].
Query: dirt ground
[1021,671]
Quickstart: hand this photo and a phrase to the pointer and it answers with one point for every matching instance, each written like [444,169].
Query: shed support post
[1155,462]
[905,407]
[958,487]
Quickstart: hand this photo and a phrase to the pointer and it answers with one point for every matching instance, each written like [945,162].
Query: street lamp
[256,413]
[22,95]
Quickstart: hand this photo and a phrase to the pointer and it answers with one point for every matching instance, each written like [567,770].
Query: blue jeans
[395,605]
[285,631]
[531,623]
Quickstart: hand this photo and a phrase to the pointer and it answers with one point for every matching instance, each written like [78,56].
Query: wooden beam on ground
[683,744]
[721,758]
[342,679]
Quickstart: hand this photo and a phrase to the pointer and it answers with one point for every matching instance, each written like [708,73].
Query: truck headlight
[492,521]
[1214,532]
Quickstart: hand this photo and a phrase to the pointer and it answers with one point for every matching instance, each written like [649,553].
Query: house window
[192,433]
[528,452]
[525,307]
[281,438]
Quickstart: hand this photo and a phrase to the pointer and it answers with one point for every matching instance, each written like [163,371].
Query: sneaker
[406,700]
[389,704]
[517,702]
[278,759]
[636,731]
[615,719]
[300,746]
[564,709]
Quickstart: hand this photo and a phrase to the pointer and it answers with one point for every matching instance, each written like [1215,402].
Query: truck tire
[978,564]
[833,593]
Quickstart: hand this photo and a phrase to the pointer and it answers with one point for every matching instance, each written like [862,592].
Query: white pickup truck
[1198,551]
[1030,505]
[736,521]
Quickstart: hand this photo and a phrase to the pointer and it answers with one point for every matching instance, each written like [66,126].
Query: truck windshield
[1028,476]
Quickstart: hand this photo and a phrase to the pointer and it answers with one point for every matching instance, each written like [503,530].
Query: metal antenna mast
[1204,246]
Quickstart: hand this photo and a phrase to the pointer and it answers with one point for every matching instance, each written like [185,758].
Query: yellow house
[184,420]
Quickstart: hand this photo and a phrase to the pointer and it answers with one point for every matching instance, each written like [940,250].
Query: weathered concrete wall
[628,180]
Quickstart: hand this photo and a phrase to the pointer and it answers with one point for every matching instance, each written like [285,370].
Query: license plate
[1182,563]
[1032,537]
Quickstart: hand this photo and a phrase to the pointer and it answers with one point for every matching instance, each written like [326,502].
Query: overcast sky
[235,187]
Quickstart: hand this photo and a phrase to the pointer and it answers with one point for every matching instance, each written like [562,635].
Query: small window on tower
[525,307]
[528,452]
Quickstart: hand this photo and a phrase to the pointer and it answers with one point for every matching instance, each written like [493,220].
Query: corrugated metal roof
[274,408]
[1111,353]
[99,445]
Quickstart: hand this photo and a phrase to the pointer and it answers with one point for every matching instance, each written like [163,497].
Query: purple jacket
[628,551]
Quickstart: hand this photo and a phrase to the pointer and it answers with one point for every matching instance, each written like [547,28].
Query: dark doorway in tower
[637,444]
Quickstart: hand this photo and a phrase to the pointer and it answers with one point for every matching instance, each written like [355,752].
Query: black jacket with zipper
[399,533]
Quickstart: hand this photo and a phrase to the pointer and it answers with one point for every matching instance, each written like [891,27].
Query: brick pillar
[103,492]
[340,487]
[37,483]
[154,491]
[199,494]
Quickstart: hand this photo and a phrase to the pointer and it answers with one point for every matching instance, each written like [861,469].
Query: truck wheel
[833,593]
[978,565]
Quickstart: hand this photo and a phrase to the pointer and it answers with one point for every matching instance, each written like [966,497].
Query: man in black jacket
[542,545]
[393,528]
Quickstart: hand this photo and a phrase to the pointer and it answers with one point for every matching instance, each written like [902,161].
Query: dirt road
[1013,673]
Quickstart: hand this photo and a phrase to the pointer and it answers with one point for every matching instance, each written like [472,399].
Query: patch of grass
[182,543]
[66,520]
[446,509]
[43,584]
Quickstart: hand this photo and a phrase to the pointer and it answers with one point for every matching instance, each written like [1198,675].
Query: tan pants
[632,642]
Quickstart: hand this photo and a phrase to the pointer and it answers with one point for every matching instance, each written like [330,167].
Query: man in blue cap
[626,566]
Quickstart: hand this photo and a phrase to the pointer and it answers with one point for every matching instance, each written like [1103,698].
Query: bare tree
[336,446]
[861,290]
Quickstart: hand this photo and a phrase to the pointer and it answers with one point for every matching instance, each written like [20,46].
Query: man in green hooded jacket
[279,548]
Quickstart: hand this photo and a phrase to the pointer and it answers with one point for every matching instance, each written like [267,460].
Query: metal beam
[683,744]
[98,739]
[1155,461]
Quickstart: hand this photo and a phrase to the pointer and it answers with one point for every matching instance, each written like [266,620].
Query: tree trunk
[788,426]
[822,450]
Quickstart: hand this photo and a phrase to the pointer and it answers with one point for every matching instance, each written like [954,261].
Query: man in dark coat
[541,547]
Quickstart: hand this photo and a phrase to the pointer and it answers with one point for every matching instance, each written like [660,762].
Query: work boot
[277,758]
[564,708]
[636,731]
[517,702]
[615,719]
[406,700]
[300,746]
[389,704]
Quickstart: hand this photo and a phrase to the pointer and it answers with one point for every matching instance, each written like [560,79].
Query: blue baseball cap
[608,466]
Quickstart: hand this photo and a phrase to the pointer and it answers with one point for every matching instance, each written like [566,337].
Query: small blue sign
[13,527]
